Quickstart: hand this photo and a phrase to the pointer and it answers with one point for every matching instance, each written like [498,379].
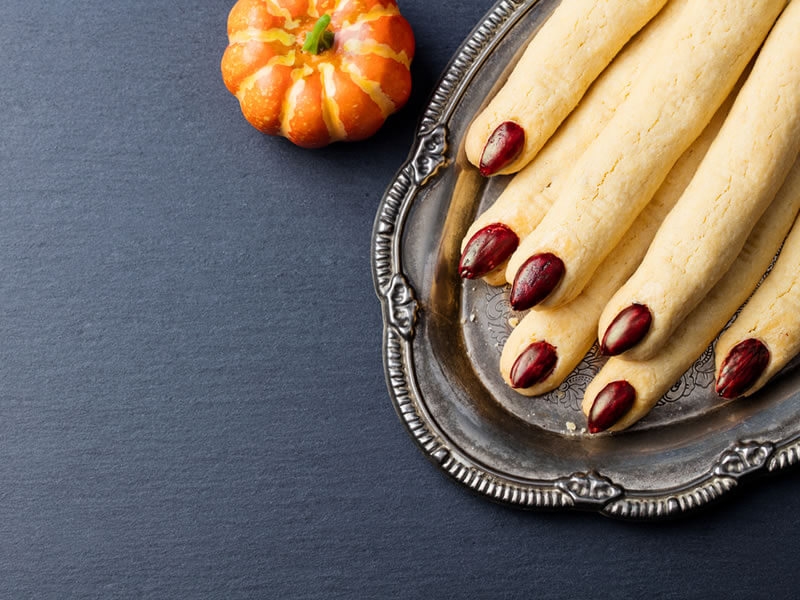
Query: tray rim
[587,491]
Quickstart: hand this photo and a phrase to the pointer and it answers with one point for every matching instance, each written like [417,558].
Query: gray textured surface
[192,401]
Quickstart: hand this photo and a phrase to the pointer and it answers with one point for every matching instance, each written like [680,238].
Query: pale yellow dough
[695,68]
[571,328]
[736,182]
[652,378]
[569,51]
[527,197]
[772,315]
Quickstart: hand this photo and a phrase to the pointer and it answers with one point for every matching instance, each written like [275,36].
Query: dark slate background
[192,399]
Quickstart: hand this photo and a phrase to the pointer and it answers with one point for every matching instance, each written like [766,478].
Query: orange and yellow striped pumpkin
[318,71]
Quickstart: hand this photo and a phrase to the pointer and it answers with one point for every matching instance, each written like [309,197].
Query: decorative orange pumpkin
[318,71]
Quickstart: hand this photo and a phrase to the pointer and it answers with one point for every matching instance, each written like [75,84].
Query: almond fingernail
[626,330]
[534,281]
[610,405]
[502,147]
[533,365]
[744,364]
[486,250]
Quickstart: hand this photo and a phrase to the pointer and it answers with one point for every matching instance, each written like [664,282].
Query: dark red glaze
[536,278]
[610,405]
[533,365]
[502,147]
[744,364]
[486,250]
[626,330]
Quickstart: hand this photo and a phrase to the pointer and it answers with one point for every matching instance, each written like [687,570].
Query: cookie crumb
[472,317]
[571,426]
[513,321]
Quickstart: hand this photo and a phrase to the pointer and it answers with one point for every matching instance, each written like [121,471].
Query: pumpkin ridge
[259,35]
[248,82]
[363,47]
[371,88]
[307,127]
[374,14]
[290,101]
[330,112]
[339,7]
[287,60]
[281,12]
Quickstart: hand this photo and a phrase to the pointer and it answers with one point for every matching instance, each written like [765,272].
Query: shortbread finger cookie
[624,391]
[695,68]
[705,231]
[547,345]
[569,51]
[495,234]
[766,334]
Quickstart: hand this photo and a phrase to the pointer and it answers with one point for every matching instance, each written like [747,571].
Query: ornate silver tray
[443,337]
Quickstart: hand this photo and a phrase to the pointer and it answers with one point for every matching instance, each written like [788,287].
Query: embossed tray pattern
[442,341]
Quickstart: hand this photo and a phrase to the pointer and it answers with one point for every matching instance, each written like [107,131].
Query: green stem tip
[319,39]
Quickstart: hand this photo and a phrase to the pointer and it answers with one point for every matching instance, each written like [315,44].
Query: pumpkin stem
[319,39]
